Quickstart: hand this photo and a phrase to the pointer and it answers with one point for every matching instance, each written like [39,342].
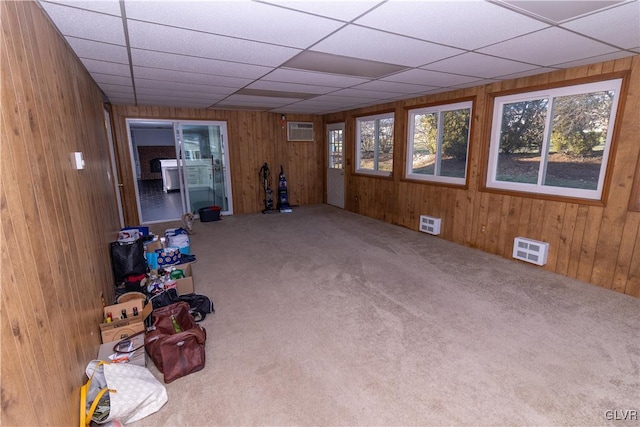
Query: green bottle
[176,325]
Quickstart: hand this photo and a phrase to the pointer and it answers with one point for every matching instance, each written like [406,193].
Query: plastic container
[210,213]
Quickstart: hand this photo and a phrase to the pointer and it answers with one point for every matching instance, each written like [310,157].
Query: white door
[335,165]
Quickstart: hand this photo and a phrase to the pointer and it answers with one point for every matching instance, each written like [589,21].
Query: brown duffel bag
[175,354]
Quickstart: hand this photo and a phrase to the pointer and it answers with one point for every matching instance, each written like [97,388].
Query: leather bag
[175,354]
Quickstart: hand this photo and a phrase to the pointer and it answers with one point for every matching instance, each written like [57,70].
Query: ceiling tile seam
[125,28]
[102,60]
[558,23]
[285,61]
[200,57]
[93,40]
[71,6]
[194,30]
[534,66]
[555,24]
[380,3]
[345,24]
[192,73]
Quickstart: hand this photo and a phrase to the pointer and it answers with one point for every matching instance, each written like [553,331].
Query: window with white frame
[438,143]
[374,146]
[554,141]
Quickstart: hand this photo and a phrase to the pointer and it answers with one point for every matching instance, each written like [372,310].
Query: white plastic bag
[133,392]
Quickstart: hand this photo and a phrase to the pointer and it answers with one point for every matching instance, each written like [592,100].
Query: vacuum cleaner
[265,176]
[283,194]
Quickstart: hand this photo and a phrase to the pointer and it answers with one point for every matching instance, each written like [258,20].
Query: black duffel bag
[199,305]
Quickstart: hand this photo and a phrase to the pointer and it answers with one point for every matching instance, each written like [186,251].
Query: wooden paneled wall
[56,221]
[253,139]
[595,244]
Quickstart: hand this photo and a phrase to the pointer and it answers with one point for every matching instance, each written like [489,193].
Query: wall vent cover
[300,131]
[430,224]
[529,250]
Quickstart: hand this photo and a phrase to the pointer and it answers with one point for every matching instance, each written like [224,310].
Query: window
[336,135]
[375,144]
[438,143]
[554,141]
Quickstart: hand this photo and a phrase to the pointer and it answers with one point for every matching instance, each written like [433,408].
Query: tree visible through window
[375,144]
[438,143]
[554,142]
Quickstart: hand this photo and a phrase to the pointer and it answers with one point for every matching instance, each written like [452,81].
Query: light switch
[78,160]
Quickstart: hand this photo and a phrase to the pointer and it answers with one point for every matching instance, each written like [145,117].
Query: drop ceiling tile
[111,79]
[466,25]
[365,43]
[97,50]
[111,7]
[169,92]
[294,109]
[143,35]
[208,100]
[121,101]
[321,62]
[337,100]
[85,24]
[429,78]
[310,77]
[96,66]
[567,47]
[173,103]
[184,77]
[558,11]
[291,87]
[600,58]
[171,61]
[120,89]
[528,73]
[243,19]
[475,83]
[607,25]
[478,65]
[367,94]
[341,10]
[187,87]
[394,87]
[257,100]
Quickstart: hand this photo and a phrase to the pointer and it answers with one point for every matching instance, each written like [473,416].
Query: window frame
[634,199]
[616,83]
[438,108]
[358,154]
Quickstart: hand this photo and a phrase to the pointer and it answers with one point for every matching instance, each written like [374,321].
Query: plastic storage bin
[210,213]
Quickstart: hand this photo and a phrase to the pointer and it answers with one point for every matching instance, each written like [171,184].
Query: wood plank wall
[595,244]
[253,139]
[56,221]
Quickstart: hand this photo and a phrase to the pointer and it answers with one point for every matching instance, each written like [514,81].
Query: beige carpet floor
[327,318]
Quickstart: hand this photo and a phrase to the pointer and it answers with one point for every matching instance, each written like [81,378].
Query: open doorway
[178,167]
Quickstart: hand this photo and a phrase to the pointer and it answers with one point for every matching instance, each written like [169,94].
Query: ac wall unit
[529,250]
[300,131]
[430,224]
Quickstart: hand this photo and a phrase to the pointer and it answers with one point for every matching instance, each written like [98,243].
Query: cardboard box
[185,285]
[122,328]
[137,357]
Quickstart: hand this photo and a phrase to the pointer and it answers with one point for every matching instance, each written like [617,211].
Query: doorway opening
[179,167]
